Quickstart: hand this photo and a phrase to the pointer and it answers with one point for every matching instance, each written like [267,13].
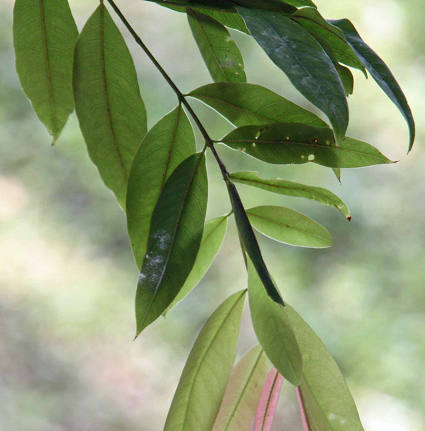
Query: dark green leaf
[289,226]
[249,104]
[243,392]
[290,188]
[207,370]
[294,50]
[346,78]
[45,34]
[218,49]
[297,143]
[328,402]
[174,239]
[250,243]
[212,239]
[110,110]
[380,72]
[274,331]
[164,147]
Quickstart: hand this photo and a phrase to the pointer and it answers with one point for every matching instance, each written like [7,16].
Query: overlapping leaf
[294,50]
[298,143]
[218,49]
[207,370]
[328,402]
[274,330]
[164,147]
[289,226]
[44,35]
[110,110]
[290,188]
[174,239]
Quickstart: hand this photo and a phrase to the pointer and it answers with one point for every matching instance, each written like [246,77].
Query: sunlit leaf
[44,35]
[298,143]
[243,392]
[380,72]
[273,330]
[290,188]
[250,104]
[218,49]
[294,50]
[164,147]
[207,370]
[212,239]
[110,110]
[328,402]
[174,239]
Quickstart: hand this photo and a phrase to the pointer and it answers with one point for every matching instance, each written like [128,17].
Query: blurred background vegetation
[67,277]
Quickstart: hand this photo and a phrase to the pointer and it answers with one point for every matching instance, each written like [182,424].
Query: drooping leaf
[250,104]
[110,110]
[380,72]
[164,147]
[243,392]
[328,36]
[212,239]
[298,143]
[290,188]
[289,226]
[294,50]
[44,36]
[207,370]
[327,399]
[250,244]
[273,330]
[174,239]
[267,407]
[218,49]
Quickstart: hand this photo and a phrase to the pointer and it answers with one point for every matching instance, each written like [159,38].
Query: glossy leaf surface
[327,399]
[110,110]
[290,188]
[298,143]
[212,239]
[250,104]
[219,51]
[273,329]
[289,226]
[380,72]
[243,392]
[294,50]
[44,36]
[174,239]
[250,243]
[164,147]
[207,370]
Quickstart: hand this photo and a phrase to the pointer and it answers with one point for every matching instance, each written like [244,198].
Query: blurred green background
[67,277]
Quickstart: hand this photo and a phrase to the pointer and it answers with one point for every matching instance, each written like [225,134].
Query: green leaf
[164,147]
[290,188]
[212,239]
[298,143]
[302,58]
[174,239]
[250,243]
[243,392]
[346,78]
[110,110]
[207,370]
[380,72]
[274,331]
[218,49]
[289,226]
[327,399]
[329,36]
[44,35]
[249,104]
